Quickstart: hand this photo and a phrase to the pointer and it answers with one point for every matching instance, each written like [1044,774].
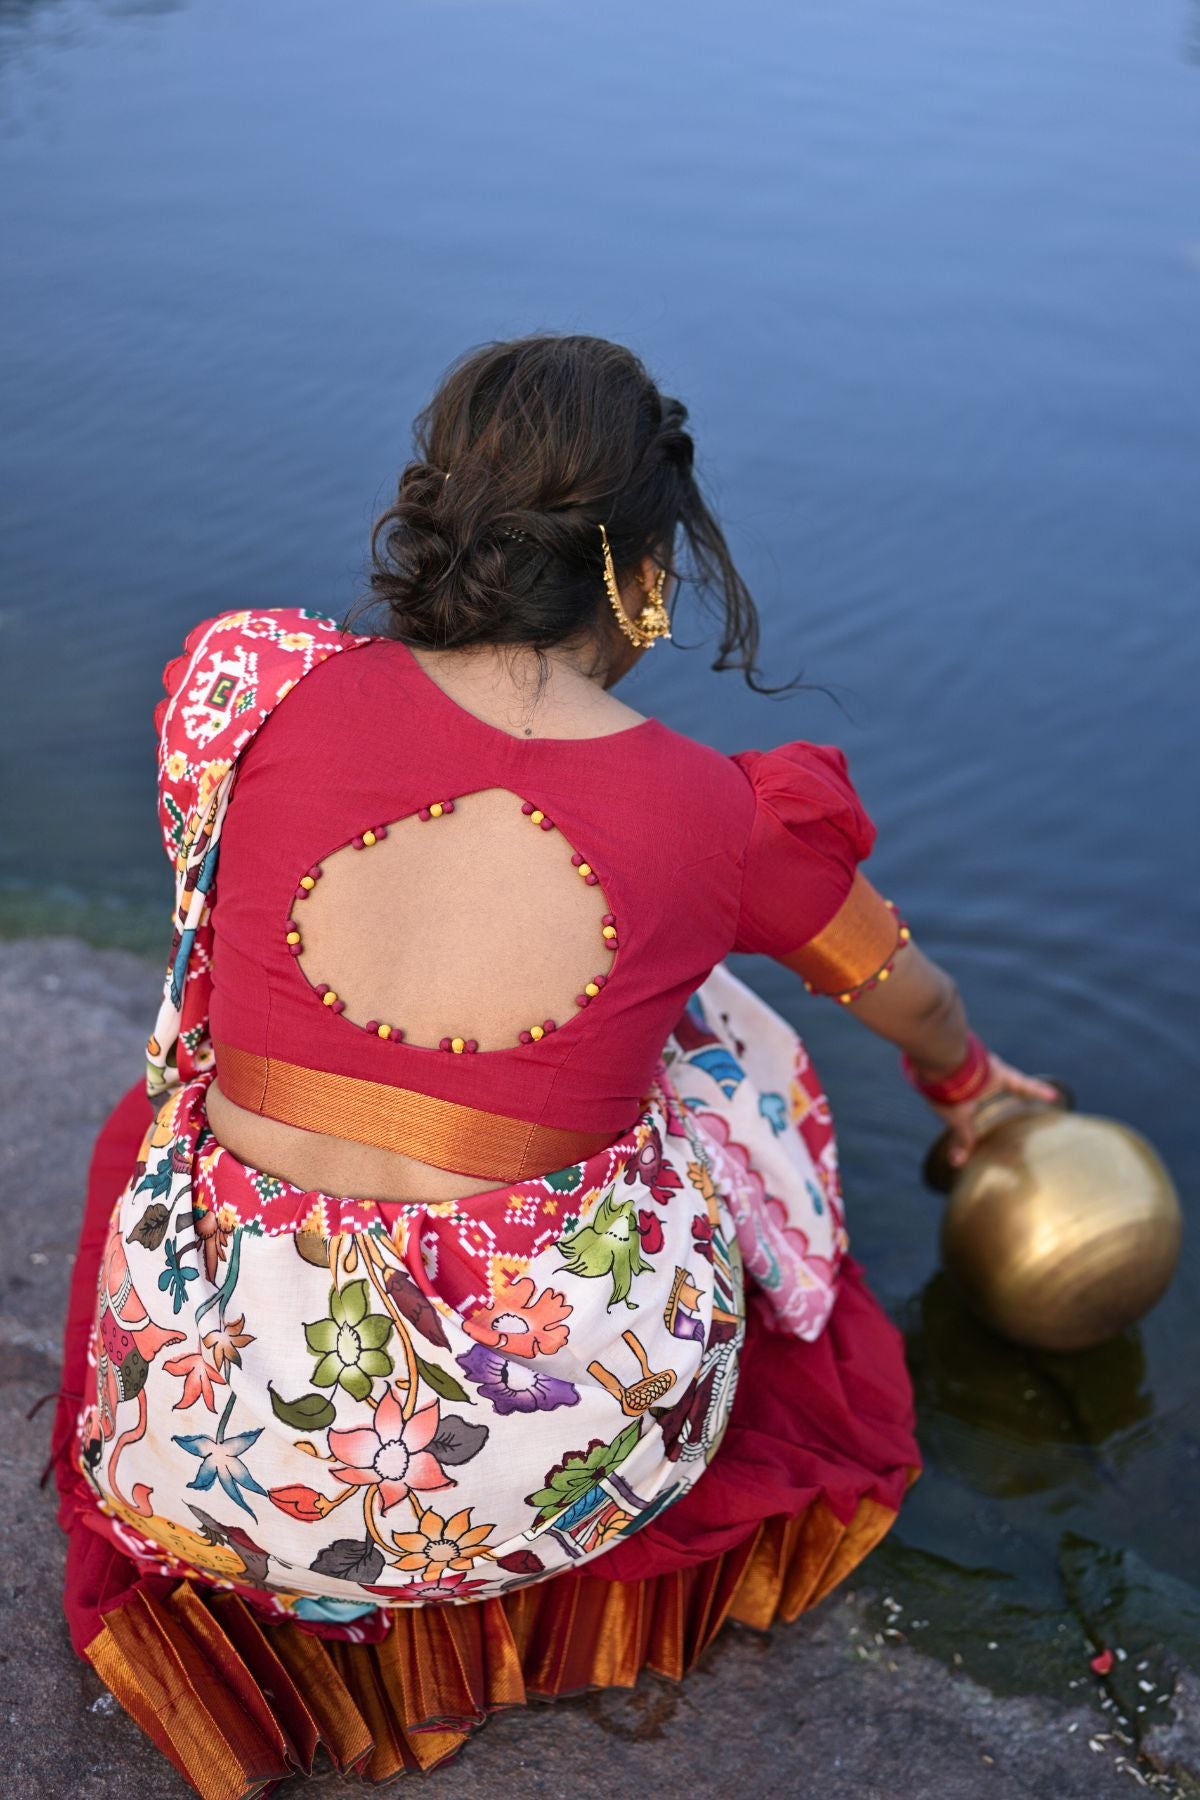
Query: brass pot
[1061,1228]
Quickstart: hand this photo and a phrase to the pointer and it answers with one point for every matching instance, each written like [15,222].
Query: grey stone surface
[822,1708]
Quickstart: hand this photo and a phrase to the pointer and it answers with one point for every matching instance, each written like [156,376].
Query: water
[929,279]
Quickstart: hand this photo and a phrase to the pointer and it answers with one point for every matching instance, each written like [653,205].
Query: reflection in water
[1012,1422]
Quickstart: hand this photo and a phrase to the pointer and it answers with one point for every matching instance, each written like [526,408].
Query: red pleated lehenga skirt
[818,1454]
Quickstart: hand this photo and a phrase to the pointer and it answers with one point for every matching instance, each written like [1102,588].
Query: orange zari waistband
[857,945]
[441,1132]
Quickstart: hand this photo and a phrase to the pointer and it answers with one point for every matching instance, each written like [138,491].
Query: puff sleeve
[809,833]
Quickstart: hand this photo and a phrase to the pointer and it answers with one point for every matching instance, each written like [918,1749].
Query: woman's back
[508,924]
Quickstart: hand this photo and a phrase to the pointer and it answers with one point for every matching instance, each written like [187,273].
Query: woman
[407,1326]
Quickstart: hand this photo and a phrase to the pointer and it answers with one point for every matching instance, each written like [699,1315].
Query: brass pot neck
[988,1114]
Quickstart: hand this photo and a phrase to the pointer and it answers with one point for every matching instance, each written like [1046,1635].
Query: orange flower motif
[521,1325]
[211,777]
[438,1545]
[198,1379]
[228,1342]
[701,1179]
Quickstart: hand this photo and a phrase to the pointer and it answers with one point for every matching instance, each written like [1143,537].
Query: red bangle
[964,1083]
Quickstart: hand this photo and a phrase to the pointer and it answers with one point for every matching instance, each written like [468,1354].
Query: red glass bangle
[966,1082]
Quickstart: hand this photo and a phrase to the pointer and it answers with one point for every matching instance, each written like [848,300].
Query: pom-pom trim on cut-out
[454,1045]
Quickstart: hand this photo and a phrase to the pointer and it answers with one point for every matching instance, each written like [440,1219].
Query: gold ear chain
[653,622]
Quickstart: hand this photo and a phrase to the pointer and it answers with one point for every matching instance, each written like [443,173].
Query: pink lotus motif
[392,1453]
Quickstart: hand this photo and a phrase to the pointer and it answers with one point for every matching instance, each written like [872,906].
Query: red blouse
[698,854]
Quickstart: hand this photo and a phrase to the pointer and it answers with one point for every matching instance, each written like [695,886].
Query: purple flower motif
[512,1384]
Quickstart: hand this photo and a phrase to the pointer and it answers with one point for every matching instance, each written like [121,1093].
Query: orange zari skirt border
[238,1705]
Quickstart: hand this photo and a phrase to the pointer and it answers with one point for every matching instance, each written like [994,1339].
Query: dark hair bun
[526,448]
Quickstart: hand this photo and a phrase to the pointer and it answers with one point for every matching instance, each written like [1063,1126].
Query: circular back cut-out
[471,925]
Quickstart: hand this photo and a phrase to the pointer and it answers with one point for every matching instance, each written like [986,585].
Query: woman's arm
[919,1009]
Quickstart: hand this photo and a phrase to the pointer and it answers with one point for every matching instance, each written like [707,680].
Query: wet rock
[1175,1745]
[1151,1622]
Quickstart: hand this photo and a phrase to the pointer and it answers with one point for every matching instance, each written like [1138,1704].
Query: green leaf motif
[610,1244]
[580,1471]
[441,1382]
[311,1412]
[623,1444]
[157,1178]
[565,1181]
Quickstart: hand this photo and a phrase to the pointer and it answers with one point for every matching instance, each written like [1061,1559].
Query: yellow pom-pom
[458,1045]
[591,989]
[883,974]
[537,817]
[608,931]
[435,811]
[585,868]
[536,1032]
[307,882]
[293,937]
[327,999]
[368,837]
[905,934]
[384,1031]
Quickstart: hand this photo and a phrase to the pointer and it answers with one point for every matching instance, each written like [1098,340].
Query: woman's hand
[919,1009]
[1002,1079]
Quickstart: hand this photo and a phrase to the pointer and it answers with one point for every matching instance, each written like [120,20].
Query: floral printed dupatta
[338,1407]
[234,671]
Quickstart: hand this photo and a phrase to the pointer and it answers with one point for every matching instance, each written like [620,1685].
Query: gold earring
[653,621]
